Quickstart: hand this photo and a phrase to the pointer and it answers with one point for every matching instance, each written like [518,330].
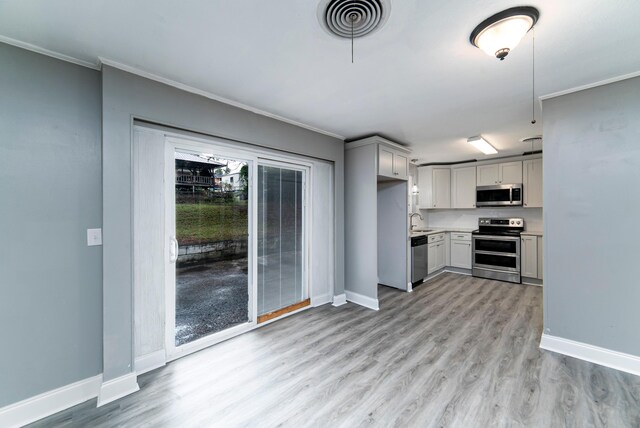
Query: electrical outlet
[94,237]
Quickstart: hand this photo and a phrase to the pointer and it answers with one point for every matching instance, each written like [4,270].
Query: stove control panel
[502,222]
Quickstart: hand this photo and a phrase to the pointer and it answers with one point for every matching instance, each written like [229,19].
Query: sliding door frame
[254,156]
[305,168]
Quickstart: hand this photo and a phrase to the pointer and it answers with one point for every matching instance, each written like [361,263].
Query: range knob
[518,222]
[512,221]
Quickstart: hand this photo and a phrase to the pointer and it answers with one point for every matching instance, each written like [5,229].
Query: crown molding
[212,96]
[589,86]
[47,52]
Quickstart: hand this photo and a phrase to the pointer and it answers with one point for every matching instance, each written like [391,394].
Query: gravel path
[210,298]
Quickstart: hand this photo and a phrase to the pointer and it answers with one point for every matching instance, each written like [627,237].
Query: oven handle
[497,238]
[493,253]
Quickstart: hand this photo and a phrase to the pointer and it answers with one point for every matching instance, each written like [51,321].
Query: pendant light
[500,34]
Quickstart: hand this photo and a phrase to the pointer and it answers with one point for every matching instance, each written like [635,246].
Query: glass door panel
[281,240]
[210,245]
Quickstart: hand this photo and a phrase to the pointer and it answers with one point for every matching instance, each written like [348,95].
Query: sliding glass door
[282,282]
[237,242]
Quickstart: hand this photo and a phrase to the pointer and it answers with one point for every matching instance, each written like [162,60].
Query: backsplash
[469,218]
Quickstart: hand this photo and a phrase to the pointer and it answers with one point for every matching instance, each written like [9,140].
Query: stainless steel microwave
[500,195]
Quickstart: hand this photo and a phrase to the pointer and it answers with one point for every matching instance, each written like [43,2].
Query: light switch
[94,237]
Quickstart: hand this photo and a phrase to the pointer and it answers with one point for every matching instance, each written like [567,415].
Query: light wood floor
[458,352]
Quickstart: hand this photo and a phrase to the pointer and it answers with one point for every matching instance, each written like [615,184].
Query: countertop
[435,230]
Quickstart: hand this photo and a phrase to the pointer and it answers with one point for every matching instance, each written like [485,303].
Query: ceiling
[417,80]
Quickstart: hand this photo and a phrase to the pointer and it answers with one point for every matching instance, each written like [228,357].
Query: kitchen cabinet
[436,253]
[463,187]
[392,163]
[499,173]
[529,256]
[376,236]
[532,183]
[461,250]
[434,184]
[540,252]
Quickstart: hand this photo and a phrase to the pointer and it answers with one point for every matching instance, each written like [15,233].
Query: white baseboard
[151,361]
[361,300]
[46,404]
[114,389]
[594,354]
[339,300]
[320,300]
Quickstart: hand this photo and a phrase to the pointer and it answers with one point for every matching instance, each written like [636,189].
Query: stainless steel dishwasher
[419,254]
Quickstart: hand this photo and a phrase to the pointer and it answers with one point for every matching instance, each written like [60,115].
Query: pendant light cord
[533,77]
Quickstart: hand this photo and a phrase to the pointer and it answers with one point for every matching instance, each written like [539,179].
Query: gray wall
[361,216]
[50,193]
[592,201]
[126,96]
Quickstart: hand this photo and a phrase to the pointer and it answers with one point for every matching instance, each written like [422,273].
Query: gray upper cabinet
[532,183]
[385,161]
[435,187]
[463,187]
[500,173]
[401,165]
[392,163]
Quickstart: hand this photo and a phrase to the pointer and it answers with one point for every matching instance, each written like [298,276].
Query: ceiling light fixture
[482,145]
[500,34]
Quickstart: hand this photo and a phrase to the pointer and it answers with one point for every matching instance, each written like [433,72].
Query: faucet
[411,216]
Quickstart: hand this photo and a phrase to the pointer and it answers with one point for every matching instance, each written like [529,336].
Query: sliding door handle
[173,249]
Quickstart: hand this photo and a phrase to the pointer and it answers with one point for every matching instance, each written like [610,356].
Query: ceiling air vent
[353,18]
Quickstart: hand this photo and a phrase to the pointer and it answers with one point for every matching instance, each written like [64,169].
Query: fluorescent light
[482,145]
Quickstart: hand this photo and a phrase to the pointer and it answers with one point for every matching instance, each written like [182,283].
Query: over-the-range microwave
[499,195]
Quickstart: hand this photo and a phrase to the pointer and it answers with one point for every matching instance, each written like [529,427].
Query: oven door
[496,252]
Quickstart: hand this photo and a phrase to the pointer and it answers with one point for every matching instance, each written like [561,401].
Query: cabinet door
[540,258]
[461,254]
[432,258]
[441,256]
[463,187]
[424,187]
[400,166]
[529,256]
[532,183]
[510,173]
[488,175]
[385,162]
[441,188]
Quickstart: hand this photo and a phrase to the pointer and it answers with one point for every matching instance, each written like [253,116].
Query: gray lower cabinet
[460,253]
[531,265]
[436,253]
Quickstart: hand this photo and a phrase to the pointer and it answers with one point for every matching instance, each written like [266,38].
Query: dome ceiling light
[500,34]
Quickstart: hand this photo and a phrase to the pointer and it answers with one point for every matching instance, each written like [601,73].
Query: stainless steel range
[496,249]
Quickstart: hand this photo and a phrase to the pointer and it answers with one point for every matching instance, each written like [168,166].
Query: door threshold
[283,311]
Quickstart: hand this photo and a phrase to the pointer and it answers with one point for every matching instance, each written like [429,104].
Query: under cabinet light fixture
[482,145]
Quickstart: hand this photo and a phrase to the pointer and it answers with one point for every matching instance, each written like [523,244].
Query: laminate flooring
[457,352]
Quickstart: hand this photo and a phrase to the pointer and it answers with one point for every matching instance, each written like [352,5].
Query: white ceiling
[417,80]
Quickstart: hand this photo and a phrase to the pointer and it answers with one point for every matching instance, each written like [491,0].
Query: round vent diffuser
[352,18]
